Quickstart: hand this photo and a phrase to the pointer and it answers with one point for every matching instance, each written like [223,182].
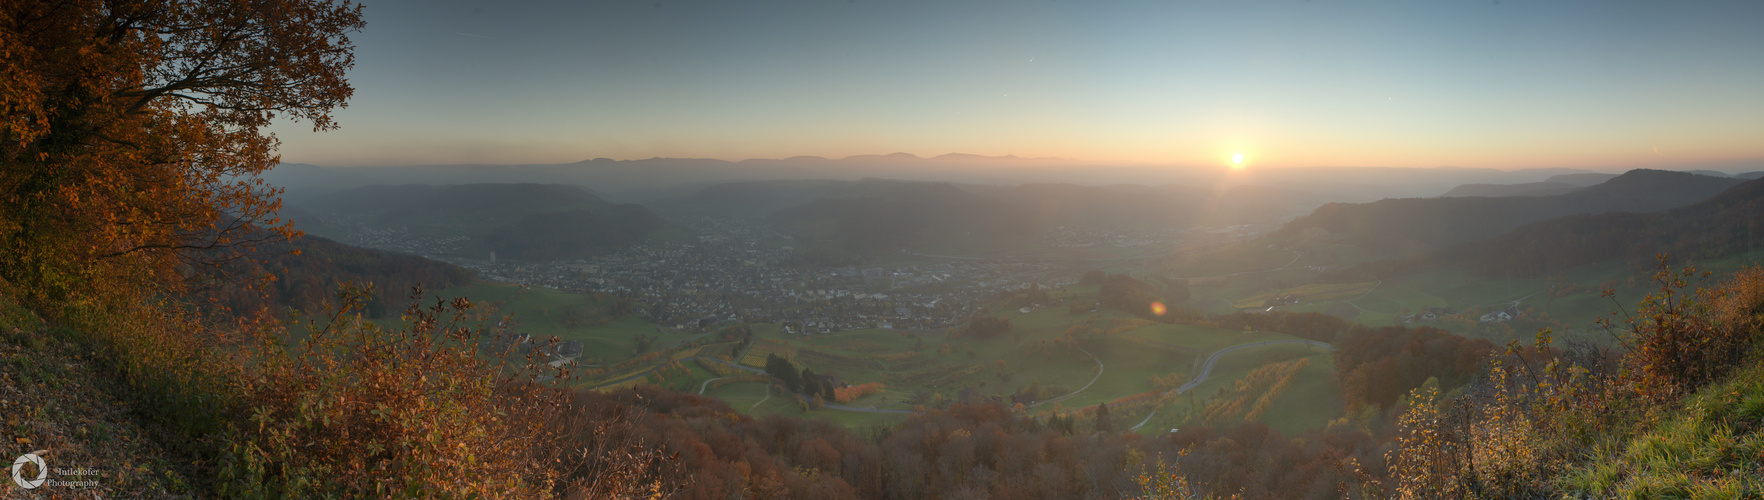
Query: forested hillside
[1724,225]
[1414,225]
[308,272]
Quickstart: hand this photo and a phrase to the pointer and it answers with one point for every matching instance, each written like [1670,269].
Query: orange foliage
[849,394]
[132,133]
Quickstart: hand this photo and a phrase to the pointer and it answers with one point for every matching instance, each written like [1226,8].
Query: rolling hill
[520,221]
[1500,190]
[1413,226]
[1723,225]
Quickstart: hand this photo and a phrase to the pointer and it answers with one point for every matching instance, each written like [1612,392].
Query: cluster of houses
[736,272]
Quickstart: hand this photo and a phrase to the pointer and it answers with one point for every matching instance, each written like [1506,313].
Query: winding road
[1207,370]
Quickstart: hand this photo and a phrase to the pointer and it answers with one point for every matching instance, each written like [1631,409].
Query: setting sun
[1237,160]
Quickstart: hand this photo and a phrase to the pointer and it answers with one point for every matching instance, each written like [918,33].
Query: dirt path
[1099,372]
[762,400]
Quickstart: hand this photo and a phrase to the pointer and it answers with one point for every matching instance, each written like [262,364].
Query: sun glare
[1237,160]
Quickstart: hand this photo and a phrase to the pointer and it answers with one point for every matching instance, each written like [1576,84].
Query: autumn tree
[133,132]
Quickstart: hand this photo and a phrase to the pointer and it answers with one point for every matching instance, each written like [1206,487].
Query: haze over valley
[914,250]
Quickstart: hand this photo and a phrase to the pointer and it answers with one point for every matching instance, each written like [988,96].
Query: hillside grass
[1710,446]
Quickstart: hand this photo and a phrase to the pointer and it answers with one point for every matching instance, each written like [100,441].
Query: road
[1207,370]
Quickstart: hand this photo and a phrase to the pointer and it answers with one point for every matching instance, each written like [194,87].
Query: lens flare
[1157,308]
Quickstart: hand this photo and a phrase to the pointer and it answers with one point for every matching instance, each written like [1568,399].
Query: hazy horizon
[1596,85]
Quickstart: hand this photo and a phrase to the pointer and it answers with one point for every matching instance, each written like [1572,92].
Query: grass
[1132,358]
[1230,259]
[1712,447]
[1310,402]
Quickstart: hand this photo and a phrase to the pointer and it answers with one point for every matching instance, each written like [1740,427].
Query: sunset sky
[1504,84]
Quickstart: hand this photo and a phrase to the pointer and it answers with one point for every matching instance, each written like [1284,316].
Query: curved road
[1207,370]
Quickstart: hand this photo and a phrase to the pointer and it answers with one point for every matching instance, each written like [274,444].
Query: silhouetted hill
[573,234]
[309,271]
[558,221]
[1749,175]
[1412,226]
[1723,225]
[1501,190]
[461,204]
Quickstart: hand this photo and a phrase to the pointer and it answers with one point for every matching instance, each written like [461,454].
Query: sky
[1501,84]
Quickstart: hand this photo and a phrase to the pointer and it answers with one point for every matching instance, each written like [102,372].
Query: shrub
[357,409]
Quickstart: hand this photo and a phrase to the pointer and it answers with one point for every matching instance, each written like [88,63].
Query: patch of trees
[1377,366]
[785,371]
[1120,291]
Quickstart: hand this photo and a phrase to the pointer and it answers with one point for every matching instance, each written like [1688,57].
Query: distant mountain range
[658,179]
[1412,226]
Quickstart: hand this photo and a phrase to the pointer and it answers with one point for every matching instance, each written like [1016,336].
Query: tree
[784,371]
[132,134]
[1102,418]
[811,383]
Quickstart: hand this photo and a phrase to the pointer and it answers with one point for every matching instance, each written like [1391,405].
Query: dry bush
[357,409]
[1541,411]
[1686,339]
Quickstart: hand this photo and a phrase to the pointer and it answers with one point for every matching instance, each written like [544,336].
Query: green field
[921,368]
